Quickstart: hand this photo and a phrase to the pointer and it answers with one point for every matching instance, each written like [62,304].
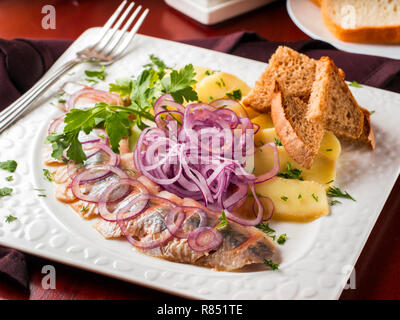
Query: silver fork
[108,48]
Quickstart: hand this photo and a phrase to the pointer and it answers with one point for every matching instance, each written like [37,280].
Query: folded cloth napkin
[23,62]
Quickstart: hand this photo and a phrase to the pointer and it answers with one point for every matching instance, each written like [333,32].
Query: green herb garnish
[355,84]
[300,196]
[291,173]
[84,209]
[315,197]
[372,112]
[264,227]
[271,264]
[101,75]
[328,150]
[278,142]
[223,221]
[235,95]
[9,178]
[47,175]
[334,202]
[335,192]
[284,198]
[9,165]
[10,218]
[5,191]
[282,239]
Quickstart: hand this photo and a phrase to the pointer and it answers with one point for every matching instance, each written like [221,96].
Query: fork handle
[15,110]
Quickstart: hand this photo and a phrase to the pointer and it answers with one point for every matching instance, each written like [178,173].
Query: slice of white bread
[364,21]
[332,102]
[294,73]
[300,135]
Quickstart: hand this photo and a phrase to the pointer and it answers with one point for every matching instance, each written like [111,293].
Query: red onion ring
[125,211]
[175,215]
[75,168]
[87,175]
[95,96]
[204,239]
[164,236]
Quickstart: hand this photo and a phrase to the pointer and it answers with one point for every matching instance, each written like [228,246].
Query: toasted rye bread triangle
[332,102]
[367,137]
[300,136]
[294,73]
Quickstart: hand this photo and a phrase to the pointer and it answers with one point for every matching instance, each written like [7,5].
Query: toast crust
[319,110]
[292,142]
[378,34]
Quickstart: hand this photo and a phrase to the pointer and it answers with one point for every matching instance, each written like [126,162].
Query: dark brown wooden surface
[377,268]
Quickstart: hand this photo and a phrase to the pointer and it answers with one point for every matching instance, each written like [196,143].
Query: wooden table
[378,278]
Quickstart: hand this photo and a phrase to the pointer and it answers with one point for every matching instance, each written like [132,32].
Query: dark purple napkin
[23,62]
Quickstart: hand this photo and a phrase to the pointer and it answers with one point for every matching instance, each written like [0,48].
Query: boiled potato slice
[217,85]
[295,200]
[251,112]
[323,169]
[264,121]
[239,110]
[330,146]
[201,73]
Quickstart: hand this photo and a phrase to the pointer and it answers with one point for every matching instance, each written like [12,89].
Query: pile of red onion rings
[181,155]
[200,152]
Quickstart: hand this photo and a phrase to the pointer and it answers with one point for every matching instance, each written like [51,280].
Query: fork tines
[113,41]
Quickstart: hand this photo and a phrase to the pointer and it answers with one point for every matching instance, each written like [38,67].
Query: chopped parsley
[282,239]
[223,221]
[221,83]
[9,165]
[101,75]
[235,95]
[284,198]
[315,197]
[278,142]
[372,112]
[93,82]
[264,227]
[334,202]
[329,182]
[9,178]
[291,173]
[335,192]
[5,191]
[42,195]
[271,264]
[355,84]
[84,209]
[299,196]
[47,175]
[328,150]
[10,218]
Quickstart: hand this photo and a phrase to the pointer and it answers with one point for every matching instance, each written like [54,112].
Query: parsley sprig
[141,94]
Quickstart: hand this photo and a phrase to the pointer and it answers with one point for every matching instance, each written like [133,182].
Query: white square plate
[318,256]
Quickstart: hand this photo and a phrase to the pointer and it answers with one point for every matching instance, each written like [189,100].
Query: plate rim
[90,266]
